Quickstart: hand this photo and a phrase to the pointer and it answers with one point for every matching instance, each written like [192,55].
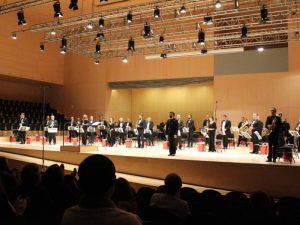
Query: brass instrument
[244,128]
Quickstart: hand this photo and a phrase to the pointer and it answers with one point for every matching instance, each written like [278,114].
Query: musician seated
[288,138]
[121,130]
[84,124]
[71,128]
[91,130]
[243,127]
[102,128]
[52,124]
[128,128]
[149,131]
[297,141]
[162,131]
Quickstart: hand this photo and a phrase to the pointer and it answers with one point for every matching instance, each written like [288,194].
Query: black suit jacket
[129,124]
[278,124]
[141,124]
[150,125]
[180,125]
[205,123]
[227,126]
[191,125]
[172,127]
[257,126]
[49,124]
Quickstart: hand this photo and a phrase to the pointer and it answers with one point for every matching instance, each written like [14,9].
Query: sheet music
[95,123]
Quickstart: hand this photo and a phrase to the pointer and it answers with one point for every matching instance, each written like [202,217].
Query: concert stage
[234,169]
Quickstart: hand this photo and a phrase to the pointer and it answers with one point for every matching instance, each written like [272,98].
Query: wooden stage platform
[234,169]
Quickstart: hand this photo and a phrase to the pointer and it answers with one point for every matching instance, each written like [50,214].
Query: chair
[285,151]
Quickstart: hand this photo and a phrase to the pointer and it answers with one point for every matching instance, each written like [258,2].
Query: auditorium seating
[10,111]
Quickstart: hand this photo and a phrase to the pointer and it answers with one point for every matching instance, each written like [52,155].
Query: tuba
[244,128]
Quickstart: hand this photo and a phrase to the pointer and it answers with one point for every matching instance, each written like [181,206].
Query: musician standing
[128,128]
[225,130]
[22,124]
[103,128]
[149,130]
[45,129]
[141,125]
[191,127]
[212,126]
[205,124]
[52,123]
[91,130]
[72,132]
[243,125]
[111,132]
[297,128]
[288,138]
[172,130]
[84,124]
[274,124]
[180,130]
[121,126]
[256,128]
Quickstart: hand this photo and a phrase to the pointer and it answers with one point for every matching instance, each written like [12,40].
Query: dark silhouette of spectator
[72,189]
[170,201]
[191,196]
[143,197]
[124,196]
[288,211]
[96,183]
[161,189]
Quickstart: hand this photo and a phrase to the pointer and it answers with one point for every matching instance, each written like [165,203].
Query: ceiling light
[236,4]
[125,59]
[264,15]
[161,39]
[201,37]
[129,17]
[42,47]
[98,48]
[207,20]
[97,61]
[182,10]
[53,32]
[244,31]
[131,45]
[147,33]
[103,0]
[90,25]
[64,46]
[14,36]
[101,22]
[204,51]
[260,49]
[156,12]
[57,10]
[218,4]
[163,55]
[21,18]
[73,5]
[100,36]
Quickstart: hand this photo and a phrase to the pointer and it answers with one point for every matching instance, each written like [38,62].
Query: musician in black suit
[102,128]
[297,128]
[91,130]
[121,126]
[149,130]
[180,131]
[211,131]
[191,126]
[128,128]
[52,123]
[141,125]
[84,124]
[23,122]
[225,130]
[72,133]
[172,131]
[243,125]
[256,127]
[205,124]
[288,138]
[111,138]
[46,131]
[275,138]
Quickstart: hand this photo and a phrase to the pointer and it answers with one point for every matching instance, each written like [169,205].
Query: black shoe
[173,155]
[269,160]
[274,160]
[170,155]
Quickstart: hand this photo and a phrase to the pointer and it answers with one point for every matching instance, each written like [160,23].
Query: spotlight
[207,20]
[101,22]
[21,18]
[14,36]
[156,12]
[131,45]
[204,51]
[42,47]
[73,5]
[260,49]
[182,10]
[90,25]
[97,61]
[161,39]
[125,59]
[147,33]
[57,10]
[129,17]
[53,32]
[244,31]
[264,15]
[98,48]
[236,4]
[103,0]
[163,55]
[218,4]
[100,36]
[201,37]
[63,47]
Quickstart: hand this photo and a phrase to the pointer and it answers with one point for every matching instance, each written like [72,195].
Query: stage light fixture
[90,25]
[101,22]
[236,4]
[244,31]
[129,17]
[14,36]
[103,1]
[218,4]
[207,20]
[42,47]
[201,37]
[100,36]
[156,12]
[147,33]
[73,4]
[21,18]
[264,15]
[161,39]
[98,48]
[53,32]
[125,59]
[260,49]
[204,51]
[163,55]
[57,10]
[131,45]
[64,46]
[182,10]
[97,61]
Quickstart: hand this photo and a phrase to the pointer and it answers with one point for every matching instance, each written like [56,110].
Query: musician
[256,128]
[191,127]
[23,122]
[72,133]
[288,138]
[274,124]
[46,130]
[84,124]
[128,128]
[121,125]
[205,124]
[297,128]
[225,130]
[211,131]
[243,125]
[149,131]
[91,130]
[111,138]
[52,123]
[102,127]
[141,125]
[172,131]
[180,130]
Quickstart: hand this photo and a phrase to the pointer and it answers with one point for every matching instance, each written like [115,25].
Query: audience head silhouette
[97,176]
[31,174]
[173,184]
